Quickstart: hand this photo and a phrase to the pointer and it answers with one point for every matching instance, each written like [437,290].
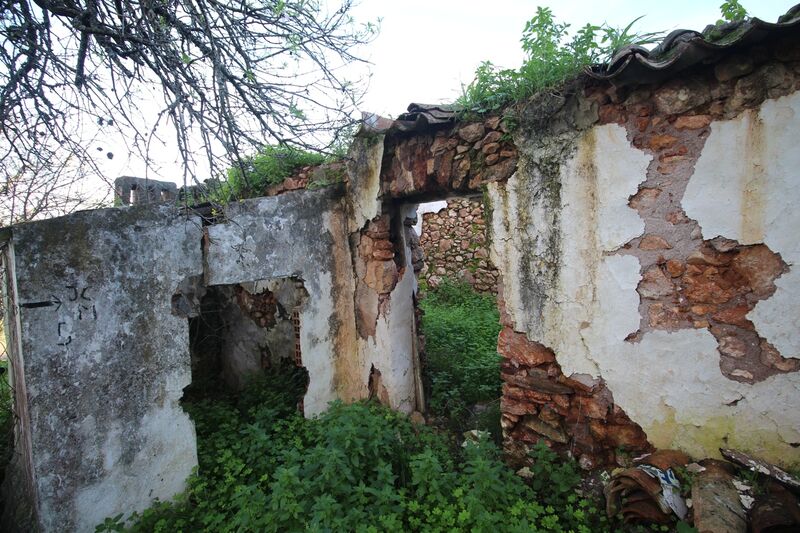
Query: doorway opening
[244,334]
[459,319]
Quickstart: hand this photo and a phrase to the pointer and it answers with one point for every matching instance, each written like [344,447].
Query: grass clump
[552,56]
[359,467]
[270,166]
[461,328]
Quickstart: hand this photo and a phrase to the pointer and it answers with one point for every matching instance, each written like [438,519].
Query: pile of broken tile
[734,496]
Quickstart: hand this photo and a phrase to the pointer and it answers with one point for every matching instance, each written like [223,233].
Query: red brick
[516,346]
[654,242]
[734,316]
[692,122]
[660,142]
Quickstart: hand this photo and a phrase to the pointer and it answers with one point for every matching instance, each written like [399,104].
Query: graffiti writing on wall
[78,303]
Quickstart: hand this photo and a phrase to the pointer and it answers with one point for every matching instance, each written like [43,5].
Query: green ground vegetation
[462,365]
[359,467]
[6,419]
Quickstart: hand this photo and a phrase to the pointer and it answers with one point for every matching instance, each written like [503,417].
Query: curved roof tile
[682,49]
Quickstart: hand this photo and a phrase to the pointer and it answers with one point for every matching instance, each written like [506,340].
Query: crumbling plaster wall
[612,272]
[104,361]
[358,316]
[104,351]
[296,235]
[384,285]
[258,332]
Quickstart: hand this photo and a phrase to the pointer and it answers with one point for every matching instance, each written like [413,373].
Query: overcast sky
[427,48]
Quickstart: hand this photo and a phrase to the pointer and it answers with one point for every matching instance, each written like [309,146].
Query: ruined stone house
[643,223]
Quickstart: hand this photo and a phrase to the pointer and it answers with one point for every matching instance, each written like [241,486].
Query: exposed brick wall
[572,415]
[460,158]
[687,282]
[455,246]
[376,272]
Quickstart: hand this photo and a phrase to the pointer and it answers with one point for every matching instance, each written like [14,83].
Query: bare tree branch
[231,76]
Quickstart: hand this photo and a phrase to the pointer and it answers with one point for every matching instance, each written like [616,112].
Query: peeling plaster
[777,319]
[364,171]
[668,383]
[112,339]
[751,195]
[595,184]
[296,235]
[392,350]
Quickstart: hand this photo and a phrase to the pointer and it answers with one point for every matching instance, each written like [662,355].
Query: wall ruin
[654,267]
[454,246]
[644,240]
[100,363]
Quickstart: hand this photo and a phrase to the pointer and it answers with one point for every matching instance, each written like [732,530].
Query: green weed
[6,419]
[732,11]
[461,328]
[552,56]
[270,166]
[358,467]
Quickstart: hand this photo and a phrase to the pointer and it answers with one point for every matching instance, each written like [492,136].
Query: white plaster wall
[317,346]
[300,235]
[391,350]
[107,429]
[669,383]
[751,194]
[364,186]
[593,218]
[159,458]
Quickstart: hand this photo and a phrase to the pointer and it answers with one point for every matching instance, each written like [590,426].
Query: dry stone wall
[454,245]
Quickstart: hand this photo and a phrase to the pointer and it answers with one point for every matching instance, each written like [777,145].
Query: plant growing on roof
[552,57]
[269,166]
[732,11]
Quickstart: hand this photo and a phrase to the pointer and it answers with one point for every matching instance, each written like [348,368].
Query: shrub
[270,166]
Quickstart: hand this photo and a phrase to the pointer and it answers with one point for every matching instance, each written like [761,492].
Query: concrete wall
[102,361]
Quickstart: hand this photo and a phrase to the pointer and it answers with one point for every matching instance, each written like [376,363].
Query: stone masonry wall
[647,289]
[454,243]
[462,158]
